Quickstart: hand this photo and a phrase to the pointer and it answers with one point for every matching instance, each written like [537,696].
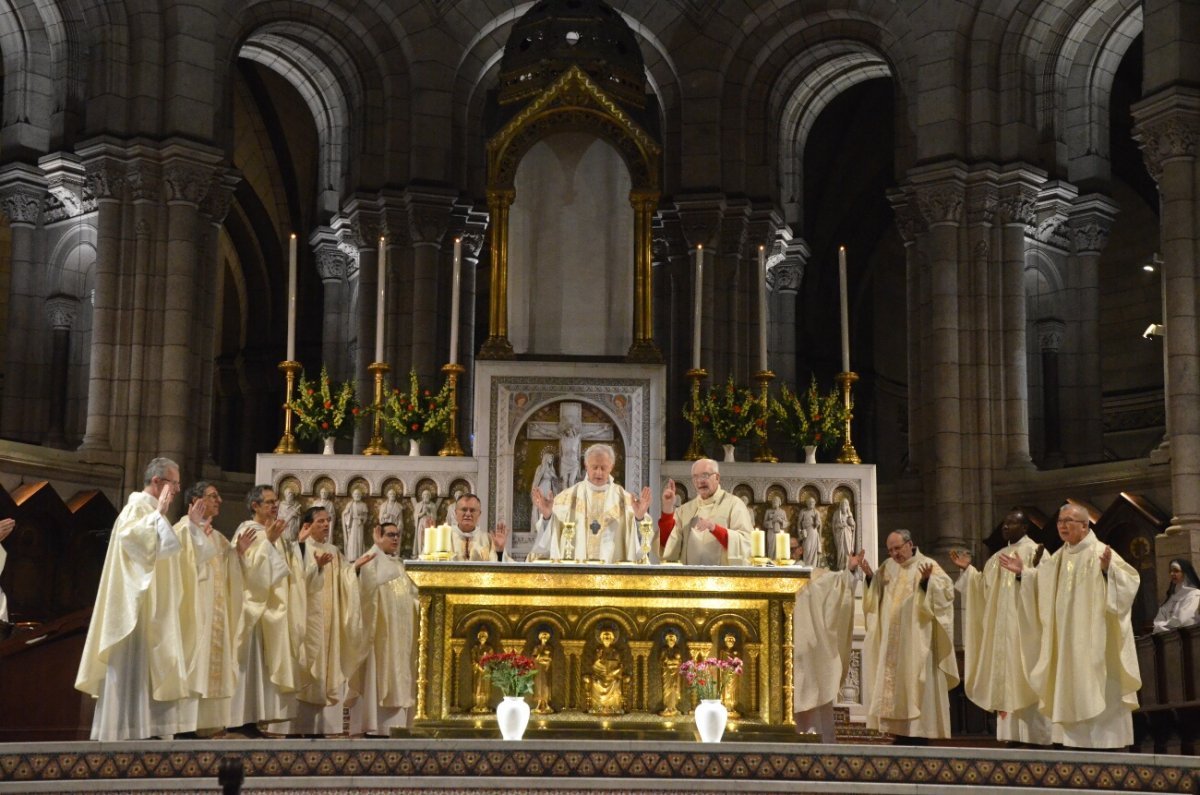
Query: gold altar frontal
[608,667]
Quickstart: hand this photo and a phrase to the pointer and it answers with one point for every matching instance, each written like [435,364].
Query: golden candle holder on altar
[757,561]
[694,451]
[452,447]
[764,454]
[376,445]
[848,454]
[287,442]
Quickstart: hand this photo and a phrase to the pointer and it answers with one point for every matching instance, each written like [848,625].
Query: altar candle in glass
[291,306]
[455,289]
[758,543]
[381,301]
[697,299]
[762,308]
[845,300]
[783,546]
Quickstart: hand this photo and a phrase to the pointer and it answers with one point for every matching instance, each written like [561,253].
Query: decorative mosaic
[66,762]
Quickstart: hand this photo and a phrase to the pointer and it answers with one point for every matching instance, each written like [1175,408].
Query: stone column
[1050,333]
[1083,428]
[22,191]
[428,219]
[1168,126]
[783,282]
[60,315]
[909,223]
[213,211]
[730,290]
[331,264]
[136,354]
[364,233]
[473,230]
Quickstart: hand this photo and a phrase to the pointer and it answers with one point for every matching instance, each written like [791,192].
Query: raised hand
[499,536]
[196,515]
[166,495]
[865,564]
[926,570]
[305,533]
[245,539]
[6,527]
[1105,559]
[541,502]
[640,503]
[322,558]
[858,559]
[960,558]
[275,530]
[668,496]
[1011,563]
[376,535]
[364,559]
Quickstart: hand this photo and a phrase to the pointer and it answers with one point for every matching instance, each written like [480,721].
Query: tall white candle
[762,308]
[758,543]
[845,310]
[698,298]
[381,301]
[455,289]
[783,546]
[291,306]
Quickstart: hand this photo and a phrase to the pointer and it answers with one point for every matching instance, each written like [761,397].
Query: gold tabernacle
[608,640]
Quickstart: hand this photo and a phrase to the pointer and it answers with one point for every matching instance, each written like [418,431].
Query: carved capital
[940,204]
[1170,135]
[909,221]
[22,205]
[331,264]
[982,204]
[1017,207]
[145,181]
[105,179]
[219,197]
[785,276]
[1054,231]
[187,182]
[472,244]
[1050,333]
[428,217]
[60,311]
[1091,237]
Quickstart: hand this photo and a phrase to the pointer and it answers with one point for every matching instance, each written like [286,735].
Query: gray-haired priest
[604,514]
[711,530]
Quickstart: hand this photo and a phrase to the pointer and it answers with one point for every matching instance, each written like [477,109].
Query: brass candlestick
[376,446]
[848,455]
[452,447]
[694,452]
[287,442]
[764,379]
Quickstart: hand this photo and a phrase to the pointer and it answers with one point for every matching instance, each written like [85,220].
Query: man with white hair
[711,530]
[605,516]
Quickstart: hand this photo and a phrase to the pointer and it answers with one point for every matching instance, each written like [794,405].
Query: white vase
[329,441]
[810,454]
[728,453]
[711,717]
[414,446]
[512,714]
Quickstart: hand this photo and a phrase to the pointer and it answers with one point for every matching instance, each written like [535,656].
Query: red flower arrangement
[511,672]
[707,678]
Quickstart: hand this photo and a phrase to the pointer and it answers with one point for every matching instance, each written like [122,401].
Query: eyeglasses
[702,475]
[898,548]
[391,535]
[174,483]
[1072,521]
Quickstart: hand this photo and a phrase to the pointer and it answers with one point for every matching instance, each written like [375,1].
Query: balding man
[713,529]
[1076,607]
[908,654]
[604,514]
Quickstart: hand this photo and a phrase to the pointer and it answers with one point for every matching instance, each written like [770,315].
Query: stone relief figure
[570,430]
[390,510]
[324,499]
[808,523]
[545,478]
[671,657]
[729,694]
[543,655]
[481,683]
[844,530]
[354,519]
[775,519]
[289,513]
[605,683]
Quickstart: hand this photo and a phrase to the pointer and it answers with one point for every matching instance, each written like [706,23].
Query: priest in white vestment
[1183,598]
[136,659]
[713,529]
[384,683]
[1076,607]
[471,541]
[6,527]
[270,667]
[822,629]
[333,636]
[995,676]
[909,665]
[605,516]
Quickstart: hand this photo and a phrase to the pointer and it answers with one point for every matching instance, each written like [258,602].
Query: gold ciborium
[644,530]
[568,541]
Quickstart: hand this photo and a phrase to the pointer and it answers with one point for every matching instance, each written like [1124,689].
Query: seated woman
[605,683]
[1183,598]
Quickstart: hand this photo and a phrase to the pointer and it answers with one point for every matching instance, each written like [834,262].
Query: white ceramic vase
[711,717]
[728,453]
[512,714]
[329,441]
[414,446]
[810,454]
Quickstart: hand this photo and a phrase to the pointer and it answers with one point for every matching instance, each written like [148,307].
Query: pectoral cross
[594,526]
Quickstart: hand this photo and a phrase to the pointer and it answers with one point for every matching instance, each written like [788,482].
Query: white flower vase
[711,717]
[512,714]
[728,453]
[810,454]
[414,446]
[329,442]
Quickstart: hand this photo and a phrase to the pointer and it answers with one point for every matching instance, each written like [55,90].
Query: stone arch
[26,49]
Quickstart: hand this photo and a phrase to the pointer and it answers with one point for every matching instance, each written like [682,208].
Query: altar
[654,616]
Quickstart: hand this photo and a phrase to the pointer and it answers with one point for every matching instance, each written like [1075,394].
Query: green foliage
[323,409]
[417,412]
[727,414]
[810,417]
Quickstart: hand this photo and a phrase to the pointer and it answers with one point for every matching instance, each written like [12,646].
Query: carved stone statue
[545,478]
[424,508]
[569,458]
[289,513]
[605,683]
[844,531]
[808,523]
[543,655]
[775,518]
[324,499]
[670,659]
[729,693]
[451,501]
[354,519]
[390,510]
[481,683]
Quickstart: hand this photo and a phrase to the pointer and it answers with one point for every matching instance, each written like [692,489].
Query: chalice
[644,536]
